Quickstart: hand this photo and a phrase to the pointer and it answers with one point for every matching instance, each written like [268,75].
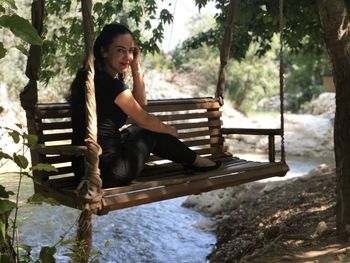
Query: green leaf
[66,242]
[38,199]
[11,3]
[21,28]
[46,254]
[2,10]
[3,192]
[32,140]
[23,49]
[6,206]
[5,155]
[20,160]
[44,167]
[2,50]
[15,136]
[5,258]
[26,248]
[106,243]
[1,109]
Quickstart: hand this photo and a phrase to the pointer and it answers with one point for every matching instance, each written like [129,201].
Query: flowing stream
[161,232]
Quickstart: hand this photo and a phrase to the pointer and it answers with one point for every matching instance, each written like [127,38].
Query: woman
[125,151]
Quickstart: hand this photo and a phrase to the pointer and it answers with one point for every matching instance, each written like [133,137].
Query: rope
[225,52]
[281,71]
[89,190]
[172,26]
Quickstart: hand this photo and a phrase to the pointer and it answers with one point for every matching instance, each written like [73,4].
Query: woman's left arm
[139,90]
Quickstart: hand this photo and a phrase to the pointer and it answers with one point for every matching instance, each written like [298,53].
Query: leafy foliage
[304,80]
[10,248]
[258,20]
[64,38]
[18,25]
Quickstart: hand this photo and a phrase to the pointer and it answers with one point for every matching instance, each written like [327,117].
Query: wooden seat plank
[158,193]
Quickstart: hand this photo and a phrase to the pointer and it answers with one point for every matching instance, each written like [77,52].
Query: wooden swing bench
[200,127]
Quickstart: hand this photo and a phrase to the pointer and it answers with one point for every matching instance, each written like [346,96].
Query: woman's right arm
[132,108]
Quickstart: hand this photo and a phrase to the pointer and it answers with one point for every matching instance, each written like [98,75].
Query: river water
[154,233]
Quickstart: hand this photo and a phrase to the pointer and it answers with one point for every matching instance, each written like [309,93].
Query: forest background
[249,79]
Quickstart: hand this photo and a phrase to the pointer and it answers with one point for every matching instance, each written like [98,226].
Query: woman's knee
[116,177]
[116,171]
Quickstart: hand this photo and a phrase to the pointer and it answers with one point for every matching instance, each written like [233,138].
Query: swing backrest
[198,121]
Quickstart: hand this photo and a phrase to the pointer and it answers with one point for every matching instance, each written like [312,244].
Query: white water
[155,233]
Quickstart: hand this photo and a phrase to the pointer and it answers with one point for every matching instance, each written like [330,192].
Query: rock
[216,202]
[206,225]
[318,170]
[322,105]
[321,228]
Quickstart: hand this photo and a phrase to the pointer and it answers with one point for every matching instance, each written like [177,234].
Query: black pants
[124,158]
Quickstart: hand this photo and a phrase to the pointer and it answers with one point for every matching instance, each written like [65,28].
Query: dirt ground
[292,222]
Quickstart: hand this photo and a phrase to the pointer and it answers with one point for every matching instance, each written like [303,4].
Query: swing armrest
[251,131]
[271,133]
[70,150]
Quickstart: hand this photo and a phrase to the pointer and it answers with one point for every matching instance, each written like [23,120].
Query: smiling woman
[126,150]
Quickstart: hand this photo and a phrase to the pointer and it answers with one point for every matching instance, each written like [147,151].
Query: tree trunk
[335,23]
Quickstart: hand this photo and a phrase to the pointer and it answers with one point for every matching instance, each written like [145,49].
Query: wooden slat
[250,131]
[185,106]
[61,170]
[55,125]
[179,101]
[55,137]
[189,116]
[72,150]
[66,198]
[212,141]
[52,106]
[70,182]
[57,159]
[54,114]
[192,125]
[189,134]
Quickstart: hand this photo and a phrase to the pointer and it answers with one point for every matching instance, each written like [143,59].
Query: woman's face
[119,55]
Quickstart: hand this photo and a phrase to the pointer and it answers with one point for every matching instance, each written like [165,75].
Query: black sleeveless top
[110,118]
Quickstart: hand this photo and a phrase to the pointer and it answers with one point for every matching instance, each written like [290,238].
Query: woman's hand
[135,63]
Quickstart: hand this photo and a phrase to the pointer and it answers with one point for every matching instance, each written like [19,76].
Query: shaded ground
[292,222]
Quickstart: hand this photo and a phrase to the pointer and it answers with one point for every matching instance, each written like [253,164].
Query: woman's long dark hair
[77,90]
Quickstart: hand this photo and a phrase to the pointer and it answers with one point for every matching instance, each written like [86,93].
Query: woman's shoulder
[105,84]
[101,77]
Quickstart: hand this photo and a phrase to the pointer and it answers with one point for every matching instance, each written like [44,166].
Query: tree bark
[335,25]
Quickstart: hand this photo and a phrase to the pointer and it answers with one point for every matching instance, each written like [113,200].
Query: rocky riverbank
[291,221]
[283,221]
